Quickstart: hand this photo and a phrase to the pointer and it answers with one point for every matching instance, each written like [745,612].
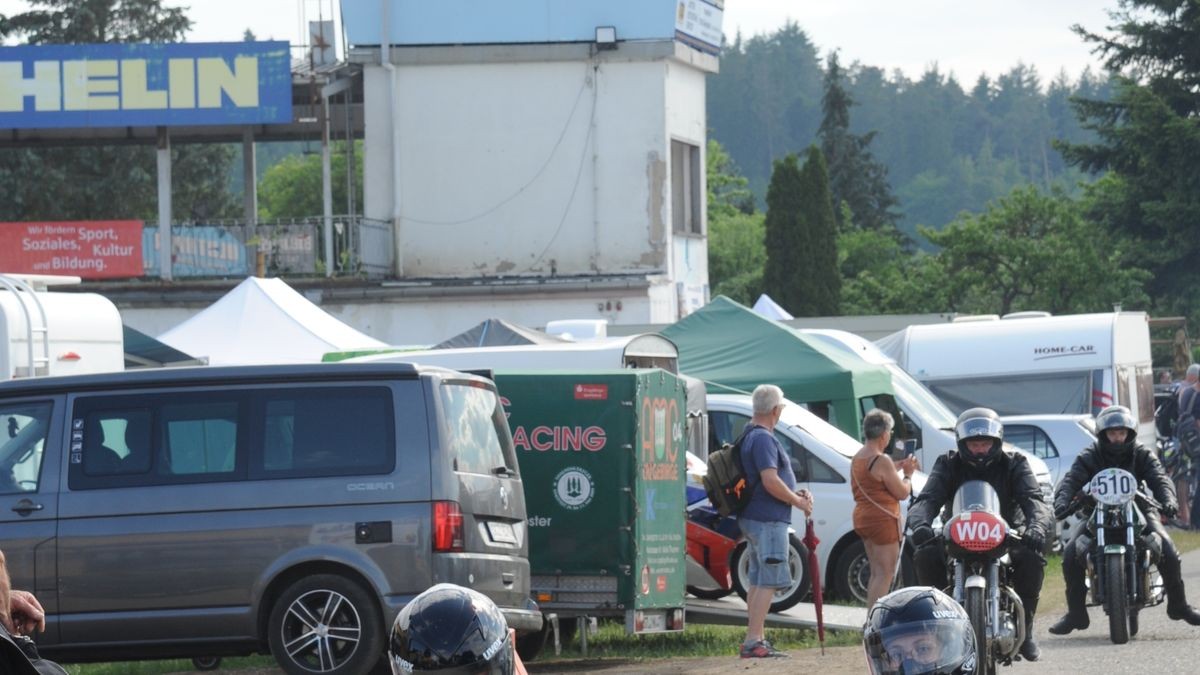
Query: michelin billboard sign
[137,85]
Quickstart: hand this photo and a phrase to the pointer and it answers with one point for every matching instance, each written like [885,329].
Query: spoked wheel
[977,613]
[326,624]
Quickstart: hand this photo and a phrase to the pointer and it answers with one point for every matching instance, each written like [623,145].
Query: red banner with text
[90,249]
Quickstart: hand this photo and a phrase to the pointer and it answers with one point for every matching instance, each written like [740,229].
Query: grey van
[284,509]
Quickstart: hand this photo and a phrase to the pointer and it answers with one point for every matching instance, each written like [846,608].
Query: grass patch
[161,667]
[696,640]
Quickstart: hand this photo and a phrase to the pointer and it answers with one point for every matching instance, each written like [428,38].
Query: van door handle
[508,578]
[25,507]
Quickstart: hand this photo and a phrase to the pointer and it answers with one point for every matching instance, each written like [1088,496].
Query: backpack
[725,482]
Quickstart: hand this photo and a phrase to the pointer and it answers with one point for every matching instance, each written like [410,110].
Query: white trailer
[50,333]
[1035,363]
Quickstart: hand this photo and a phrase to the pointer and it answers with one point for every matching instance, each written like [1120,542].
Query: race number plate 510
[1113,486]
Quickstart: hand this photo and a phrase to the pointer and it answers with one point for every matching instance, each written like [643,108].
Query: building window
[687,189]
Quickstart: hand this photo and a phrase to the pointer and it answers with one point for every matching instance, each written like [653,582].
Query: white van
[1034,363]
[927,419]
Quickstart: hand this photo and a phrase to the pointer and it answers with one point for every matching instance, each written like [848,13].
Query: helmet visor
[933,646]
[979,427]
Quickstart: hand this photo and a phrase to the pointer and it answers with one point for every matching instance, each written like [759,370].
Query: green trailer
[602,459]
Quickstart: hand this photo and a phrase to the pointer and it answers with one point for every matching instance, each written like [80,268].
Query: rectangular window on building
[687,189]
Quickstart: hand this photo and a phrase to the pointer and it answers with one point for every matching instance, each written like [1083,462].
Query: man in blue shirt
[765,520]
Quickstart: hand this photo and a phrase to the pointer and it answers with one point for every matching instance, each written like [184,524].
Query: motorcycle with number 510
[1121,572]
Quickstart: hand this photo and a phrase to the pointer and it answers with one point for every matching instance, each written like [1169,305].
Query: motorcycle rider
[919,630]
[1117,446]
[981,456]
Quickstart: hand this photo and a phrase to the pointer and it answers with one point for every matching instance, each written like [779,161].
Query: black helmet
[451,630]
[979,423]
[919,630]
[1116,417]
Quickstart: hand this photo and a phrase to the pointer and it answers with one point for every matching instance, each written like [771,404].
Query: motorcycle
[716,560]
[1121,572]
[977,540]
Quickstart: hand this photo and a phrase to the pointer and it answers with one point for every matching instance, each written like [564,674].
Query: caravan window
[1061,393]
[1145,393]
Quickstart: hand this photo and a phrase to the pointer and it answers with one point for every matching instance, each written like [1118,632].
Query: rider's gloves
[1061,512]
[1034,540]
[1170,510]
[921,535]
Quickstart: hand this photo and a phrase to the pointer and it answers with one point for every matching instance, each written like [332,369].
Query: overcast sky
[966,37]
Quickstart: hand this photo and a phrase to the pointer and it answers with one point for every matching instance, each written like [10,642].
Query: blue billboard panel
[139,85]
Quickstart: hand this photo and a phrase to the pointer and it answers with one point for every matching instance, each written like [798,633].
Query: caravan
[52,333]
[1033,363]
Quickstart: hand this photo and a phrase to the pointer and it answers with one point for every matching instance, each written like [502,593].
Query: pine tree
[816,259]
[1148,142]
[856,179]
[784,234]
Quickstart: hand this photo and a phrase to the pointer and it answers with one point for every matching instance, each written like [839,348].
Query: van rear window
[475,428]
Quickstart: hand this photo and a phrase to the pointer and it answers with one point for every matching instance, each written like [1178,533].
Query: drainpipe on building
[385,58]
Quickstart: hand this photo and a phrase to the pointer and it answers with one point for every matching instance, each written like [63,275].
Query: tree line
[1066,197]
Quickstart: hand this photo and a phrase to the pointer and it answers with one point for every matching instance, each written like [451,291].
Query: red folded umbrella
[810,542]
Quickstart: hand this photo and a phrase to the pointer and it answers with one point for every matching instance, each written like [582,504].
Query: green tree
[292,188]
[1148,142]
[817,261]
[855,178]
[1034,251]
[785,234]
[109,181]
[735,231]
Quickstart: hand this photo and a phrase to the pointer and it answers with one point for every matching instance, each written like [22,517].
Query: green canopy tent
[732,349]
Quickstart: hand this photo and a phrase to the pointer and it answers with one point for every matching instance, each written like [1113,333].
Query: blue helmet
[451,630]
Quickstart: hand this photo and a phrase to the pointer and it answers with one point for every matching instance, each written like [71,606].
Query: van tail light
[447,527]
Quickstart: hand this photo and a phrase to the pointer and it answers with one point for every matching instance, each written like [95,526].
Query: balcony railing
[222,248]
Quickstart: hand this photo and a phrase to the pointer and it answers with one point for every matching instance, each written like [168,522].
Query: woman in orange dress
[878,488]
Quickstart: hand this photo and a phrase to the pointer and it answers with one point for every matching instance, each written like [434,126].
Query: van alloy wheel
[325,624]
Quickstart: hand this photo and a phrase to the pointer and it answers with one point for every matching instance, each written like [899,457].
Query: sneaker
[761,650]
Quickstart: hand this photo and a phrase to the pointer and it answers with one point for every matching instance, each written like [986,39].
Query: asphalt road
[1162,646]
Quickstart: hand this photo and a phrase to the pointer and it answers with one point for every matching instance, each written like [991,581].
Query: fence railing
[361,247]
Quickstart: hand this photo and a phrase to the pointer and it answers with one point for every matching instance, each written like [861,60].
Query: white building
[537,159]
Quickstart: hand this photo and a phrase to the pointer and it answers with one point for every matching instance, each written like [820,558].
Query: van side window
[328,431]
[199,438]
[21,443]
[117,441]
[164,438]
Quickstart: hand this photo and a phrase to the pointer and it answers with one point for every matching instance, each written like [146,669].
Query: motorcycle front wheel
[976,608]
[1116,600]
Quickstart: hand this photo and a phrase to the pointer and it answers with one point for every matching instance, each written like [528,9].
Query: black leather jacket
[1010,475]
[1142,463]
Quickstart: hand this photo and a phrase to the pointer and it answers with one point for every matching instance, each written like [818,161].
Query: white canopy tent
[264,321]
[766,306]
